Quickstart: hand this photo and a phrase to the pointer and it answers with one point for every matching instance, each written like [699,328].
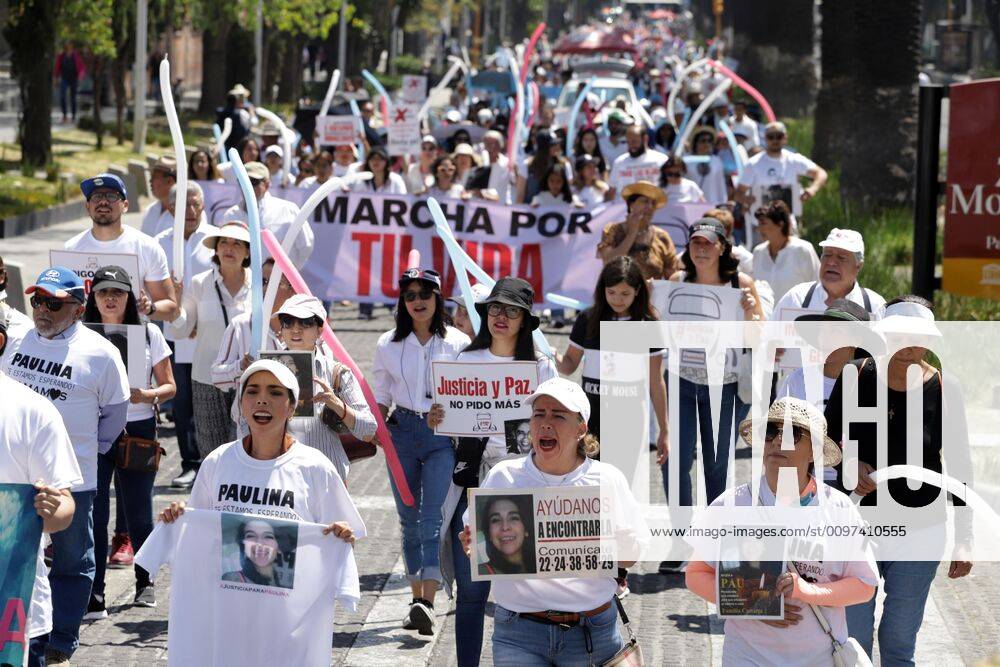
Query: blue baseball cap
[103,181]
[59,282]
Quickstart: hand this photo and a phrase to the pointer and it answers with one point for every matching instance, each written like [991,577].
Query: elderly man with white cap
[584,630]
[840,263]
[275,214]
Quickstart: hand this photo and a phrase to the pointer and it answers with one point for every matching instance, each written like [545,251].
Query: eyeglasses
[289,322]
[412,295]
[769,136]
[51,303]
[110,197]
[510,312]
[772,432]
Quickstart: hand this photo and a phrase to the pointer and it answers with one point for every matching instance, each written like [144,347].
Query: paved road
[961,625]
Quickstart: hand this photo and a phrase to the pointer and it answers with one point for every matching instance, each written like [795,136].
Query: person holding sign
[112,301]
[215,297]
[505,334]
[402,370]
[584,630]
[830,585]
[651,246]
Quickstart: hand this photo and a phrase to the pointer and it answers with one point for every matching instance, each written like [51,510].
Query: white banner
[85,264]
[404,129]
[483,399]
[337,130]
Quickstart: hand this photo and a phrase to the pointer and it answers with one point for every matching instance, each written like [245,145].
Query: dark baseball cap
[426,275]
[111,277]
[103,181]
[707,228]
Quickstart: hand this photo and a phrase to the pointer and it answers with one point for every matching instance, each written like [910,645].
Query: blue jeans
[695,415]
[134,495]
[907,585]
[72,574]
[183,407]
[427,461]
[470,599]
[518,642]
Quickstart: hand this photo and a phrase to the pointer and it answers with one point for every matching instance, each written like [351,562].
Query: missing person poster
[480,398]
[258,551]
[85,264]
[337,130]
[300,363]
[130,339]
[540,533]
[20,535]
[790,193]
[745,584]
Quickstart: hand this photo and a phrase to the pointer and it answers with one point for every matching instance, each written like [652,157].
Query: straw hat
[646,189]
[800,413]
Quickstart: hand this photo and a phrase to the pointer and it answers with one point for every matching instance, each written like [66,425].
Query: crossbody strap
[625,621]
[823,623]
[222,304]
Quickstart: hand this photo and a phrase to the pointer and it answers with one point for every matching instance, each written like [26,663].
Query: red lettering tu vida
[494,258]
[13,618]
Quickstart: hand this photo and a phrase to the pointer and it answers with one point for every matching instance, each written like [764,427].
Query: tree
[123,34]
[839,46]
[31,33]
[88,23]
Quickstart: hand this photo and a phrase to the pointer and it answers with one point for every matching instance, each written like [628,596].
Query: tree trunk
[878,165]
[290,80]
[118,69]
[773,40]
[835,115]
[97,75]
[213,66]
[32,39]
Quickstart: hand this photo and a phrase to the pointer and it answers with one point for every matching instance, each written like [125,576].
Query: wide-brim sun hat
[466,149]
[646,189]
[908,319]
[230,230]
[567,392]
[511,291]
[802,414]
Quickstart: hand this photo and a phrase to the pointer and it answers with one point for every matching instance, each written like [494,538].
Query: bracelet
[152,308]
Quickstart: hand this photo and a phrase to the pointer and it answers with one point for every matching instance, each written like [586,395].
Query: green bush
[408,64]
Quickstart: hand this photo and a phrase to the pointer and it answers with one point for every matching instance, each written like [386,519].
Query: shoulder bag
[354,448]
[631,654]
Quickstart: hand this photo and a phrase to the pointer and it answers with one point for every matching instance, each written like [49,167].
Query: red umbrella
[596,40]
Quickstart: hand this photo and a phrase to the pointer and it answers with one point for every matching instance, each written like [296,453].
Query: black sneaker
[185,480]
[408,622]
[671,567]
[422,616]
[95,609]
[145,596]
[54,657]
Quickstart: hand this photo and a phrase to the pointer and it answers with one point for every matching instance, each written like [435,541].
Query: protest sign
[300,363]
[130,340]
[414,88]
[676,218]
[790,193]
[745,583]
[19,540]
[679,301]
[404,129]
[541,533]
[336,130]
[85,264]
[480,398]
[807,355]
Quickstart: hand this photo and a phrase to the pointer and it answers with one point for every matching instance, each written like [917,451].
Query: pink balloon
[341,354]
[413,259]
[754,93]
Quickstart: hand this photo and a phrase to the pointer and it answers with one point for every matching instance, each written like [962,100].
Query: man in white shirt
[275,214]
[492,181]
[16,322]
[197,259]
[612,141]
[82,375]
[743,124]
[777,169]
[35,449]
[839,265]
[639,164]
[159,215]
[106,203]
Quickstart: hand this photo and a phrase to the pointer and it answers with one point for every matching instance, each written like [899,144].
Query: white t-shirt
[626,169]
[712,183]
[79,371]
[764,170]
[547,199]
[156,351]
[567,594]
[394,185]
[218,617]
[591,196]
[156,219]
[402,369]
[796,263]
[611,151]
[34,445]
[197,259]
[746,127]
[685,192]
[18,324]
[454,192]
[416,181]
[152,259]
[496,445]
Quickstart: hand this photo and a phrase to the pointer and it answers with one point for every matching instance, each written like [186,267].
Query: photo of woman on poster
[505,523]
[262,560]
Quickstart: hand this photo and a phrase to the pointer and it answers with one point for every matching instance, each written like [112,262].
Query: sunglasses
[288,322]
[673,174]
[769,137]
[412,295]
[110,197]
[772,432]
[51,303]
[510,312]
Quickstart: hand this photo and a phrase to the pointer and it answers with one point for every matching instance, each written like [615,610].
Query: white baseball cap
[284,375]
[845,239]
[567,392]
[274,149]
[302,306]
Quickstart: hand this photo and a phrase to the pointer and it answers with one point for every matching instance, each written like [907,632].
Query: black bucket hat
[511,292]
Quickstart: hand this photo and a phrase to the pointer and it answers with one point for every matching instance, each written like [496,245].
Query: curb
[28,222]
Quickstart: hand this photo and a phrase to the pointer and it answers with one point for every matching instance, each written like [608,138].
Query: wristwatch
[152,308]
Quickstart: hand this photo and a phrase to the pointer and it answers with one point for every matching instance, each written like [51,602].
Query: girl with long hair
[384,180]
[202,167]
[556,191]
[587,143]
[587,185]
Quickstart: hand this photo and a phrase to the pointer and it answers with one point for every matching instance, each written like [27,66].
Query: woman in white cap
[568,620]
[301,318]
[214,298]
[402,378]
[467,160]
[270,458]
[794,433]
[908,327]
